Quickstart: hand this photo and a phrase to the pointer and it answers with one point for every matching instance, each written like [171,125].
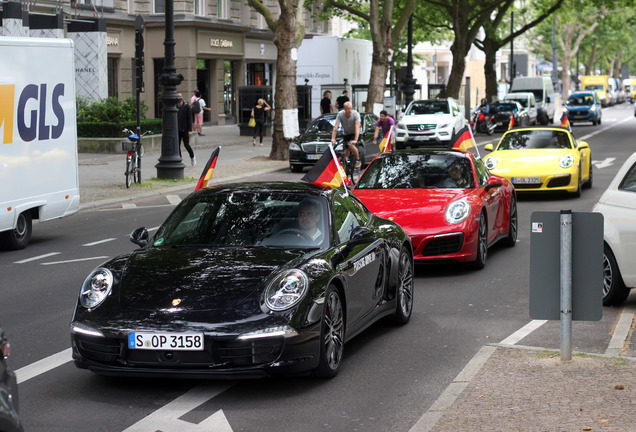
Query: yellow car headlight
[566,161]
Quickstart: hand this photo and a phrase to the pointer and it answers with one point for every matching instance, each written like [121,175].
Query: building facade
[220,46]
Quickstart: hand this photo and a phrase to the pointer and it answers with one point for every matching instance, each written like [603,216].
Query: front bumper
[425,138]
[582,116]
[549,182]
[223,356]
[449,243]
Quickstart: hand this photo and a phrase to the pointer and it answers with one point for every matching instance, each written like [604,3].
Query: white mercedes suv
[431,122]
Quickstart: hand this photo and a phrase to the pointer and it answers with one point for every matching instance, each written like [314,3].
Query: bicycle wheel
[138,170]
[129,174]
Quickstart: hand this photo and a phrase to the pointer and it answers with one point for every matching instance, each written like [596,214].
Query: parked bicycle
[134,150]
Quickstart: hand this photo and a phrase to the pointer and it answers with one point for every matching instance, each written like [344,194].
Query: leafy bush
[107,118]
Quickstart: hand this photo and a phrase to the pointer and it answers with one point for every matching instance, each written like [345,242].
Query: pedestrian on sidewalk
[325,104]
[198,105]
[258,112]
[184,126]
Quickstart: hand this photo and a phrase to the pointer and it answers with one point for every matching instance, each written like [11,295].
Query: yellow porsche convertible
[542,159]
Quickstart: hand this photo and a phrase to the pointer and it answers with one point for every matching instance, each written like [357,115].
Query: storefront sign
[217,43]
[221,43]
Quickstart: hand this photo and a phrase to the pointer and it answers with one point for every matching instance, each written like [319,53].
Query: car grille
[559,182]
[315,147]
[421,127]
[226,353]
[99,349]
[444,245]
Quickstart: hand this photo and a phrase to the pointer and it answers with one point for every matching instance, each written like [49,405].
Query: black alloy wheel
[513,224]
[404,294]
[332,335]
[482,244]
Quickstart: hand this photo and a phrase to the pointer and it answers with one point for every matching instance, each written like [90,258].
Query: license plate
[421,138]
[166,341]
[314,156]
[526,180]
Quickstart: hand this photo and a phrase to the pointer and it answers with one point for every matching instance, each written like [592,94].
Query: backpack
[196,106]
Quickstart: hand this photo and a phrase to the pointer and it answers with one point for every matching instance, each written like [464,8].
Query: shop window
[113,77]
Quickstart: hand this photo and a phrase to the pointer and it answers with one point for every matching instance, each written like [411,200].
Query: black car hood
[199,279]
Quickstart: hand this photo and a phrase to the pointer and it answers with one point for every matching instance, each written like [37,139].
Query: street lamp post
[170,165]
[408,82]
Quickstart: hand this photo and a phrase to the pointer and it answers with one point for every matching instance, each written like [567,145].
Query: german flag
[565,122]
[327,172]
[512,122]
[206,175]
[463,140]
[385,144]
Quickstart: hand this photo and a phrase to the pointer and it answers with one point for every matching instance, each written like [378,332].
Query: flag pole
[333,154]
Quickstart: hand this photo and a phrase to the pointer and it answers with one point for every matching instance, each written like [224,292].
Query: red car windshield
[418,171]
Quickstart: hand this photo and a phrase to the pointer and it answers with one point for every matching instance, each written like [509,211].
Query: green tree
[386,21]
[496,36]
[289,31]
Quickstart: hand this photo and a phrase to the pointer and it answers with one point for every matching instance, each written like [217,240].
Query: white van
[543,92]
[38,135]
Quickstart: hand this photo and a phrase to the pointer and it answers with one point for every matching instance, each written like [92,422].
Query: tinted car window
[417,171]
[323,125]
[344,218]
[535,139]
[629,181]
[428,107]
[481,171]
[523,101]
[580,100]
[239,219]
[506,106]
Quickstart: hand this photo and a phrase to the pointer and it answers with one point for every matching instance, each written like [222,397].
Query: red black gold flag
[565,122]
[512,122]
[327,172]
[206,175]
[463,140]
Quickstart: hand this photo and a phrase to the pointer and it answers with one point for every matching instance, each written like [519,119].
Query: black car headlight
[286,290]
[96,288]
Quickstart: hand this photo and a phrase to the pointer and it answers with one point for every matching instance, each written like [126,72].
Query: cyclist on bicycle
[350,121]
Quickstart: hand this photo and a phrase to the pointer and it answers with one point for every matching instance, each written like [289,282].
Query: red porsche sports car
[445,200]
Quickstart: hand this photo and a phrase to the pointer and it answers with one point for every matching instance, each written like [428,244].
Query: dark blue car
[583,106]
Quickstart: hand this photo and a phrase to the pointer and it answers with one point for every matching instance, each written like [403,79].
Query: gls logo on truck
[31,112]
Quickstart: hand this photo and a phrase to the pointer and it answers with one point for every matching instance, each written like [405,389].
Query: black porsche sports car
[308,147]
[246,279]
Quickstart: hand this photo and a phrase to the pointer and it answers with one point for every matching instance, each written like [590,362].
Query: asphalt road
[390,375]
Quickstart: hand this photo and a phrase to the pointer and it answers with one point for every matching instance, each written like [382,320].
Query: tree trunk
[565,77]
[285,97]
[377,80]
[490,50]
[458,48]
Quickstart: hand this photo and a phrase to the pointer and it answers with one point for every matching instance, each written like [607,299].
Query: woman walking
[258,112]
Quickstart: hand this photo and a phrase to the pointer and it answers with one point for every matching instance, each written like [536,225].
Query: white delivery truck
[38,135]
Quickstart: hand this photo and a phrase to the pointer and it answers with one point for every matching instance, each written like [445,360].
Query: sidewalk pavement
[504,388]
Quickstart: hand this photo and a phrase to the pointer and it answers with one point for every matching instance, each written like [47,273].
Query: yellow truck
[599,84]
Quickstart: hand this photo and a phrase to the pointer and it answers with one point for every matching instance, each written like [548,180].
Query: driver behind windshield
[309,217]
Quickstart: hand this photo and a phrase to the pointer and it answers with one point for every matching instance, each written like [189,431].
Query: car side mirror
[140,237]
[583,145]
[492,186]
[361,234]
[489,147]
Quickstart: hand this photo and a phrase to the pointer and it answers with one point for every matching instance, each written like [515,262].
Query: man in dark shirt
[184,126]
[344,97]
[325,103]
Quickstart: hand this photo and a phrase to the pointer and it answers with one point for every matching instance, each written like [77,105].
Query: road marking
[135,207]
[75,260]
[99,242]
[523,332]
[620,335]
[173,199]
[42,366]
[166,418]
[590,135]
[36,258]
[128,206]
[604,163]
[454,389]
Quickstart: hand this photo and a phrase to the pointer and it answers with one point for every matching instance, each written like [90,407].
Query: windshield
[580,100]
[418,171]
[246,219]
[535,139]
[428,107]
[595,87]
[506,106]
[323,126]
[523,100]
